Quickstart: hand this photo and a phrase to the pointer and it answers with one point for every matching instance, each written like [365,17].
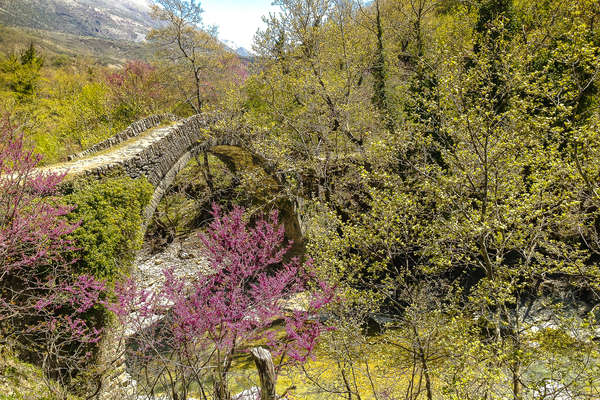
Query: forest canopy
[442,159]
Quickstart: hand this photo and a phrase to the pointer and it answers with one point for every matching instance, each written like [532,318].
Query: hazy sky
[237,20]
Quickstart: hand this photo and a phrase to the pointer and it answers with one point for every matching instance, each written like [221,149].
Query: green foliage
[480,200]
[443,158]
[22,72]
[65,104]
[110,212]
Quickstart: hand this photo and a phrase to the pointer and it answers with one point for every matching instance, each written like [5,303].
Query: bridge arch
[159,153]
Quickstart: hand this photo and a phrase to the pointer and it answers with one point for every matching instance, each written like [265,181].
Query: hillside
[115,26]
[98,18]
[62,46]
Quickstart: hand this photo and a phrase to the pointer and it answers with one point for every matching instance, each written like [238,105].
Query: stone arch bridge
[160,146]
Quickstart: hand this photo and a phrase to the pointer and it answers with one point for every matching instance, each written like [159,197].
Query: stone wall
[155,158]
[159,157]
[132,130]
[115,381]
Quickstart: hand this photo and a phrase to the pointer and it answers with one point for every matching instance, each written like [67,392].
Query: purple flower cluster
[42,299]
[243,300]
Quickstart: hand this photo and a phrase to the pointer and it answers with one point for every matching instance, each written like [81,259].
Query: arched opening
[225,174]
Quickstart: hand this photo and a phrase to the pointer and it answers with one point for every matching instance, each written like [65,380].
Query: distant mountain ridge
[240,51]
[110,19]
[123,20]
[60,47]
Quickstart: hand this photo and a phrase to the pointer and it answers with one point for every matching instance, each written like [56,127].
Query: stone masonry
[158,153]
[132,130]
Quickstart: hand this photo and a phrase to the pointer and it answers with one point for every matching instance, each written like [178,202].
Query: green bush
[110,211]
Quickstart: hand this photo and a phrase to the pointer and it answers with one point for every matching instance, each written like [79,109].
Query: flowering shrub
[243,301]
[133,71]
[135,90]
[45,309]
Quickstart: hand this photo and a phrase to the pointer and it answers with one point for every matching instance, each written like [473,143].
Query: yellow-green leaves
[110,212]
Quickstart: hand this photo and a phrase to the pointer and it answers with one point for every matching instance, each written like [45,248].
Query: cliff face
[111,19]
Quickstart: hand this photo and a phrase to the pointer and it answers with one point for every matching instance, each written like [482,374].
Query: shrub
[110,212]
[242,301]
[44,306]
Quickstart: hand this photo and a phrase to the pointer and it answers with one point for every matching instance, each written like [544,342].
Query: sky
[237,20]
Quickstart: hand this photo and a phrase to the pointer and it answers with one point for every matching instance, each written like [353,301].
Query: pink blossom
[37,281]
[242,299]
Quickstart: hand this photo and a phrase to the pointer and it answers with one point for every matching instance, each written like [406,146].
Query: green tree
[189,46]
[487,190]
[23,72]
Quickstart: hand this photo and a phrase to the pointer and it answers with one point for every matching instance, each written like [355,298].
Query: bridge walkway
[115,155]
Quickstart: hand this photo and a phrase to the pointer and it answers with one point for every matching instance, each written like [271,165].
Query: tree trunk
[424,365]
[379,75]
[266,372]
[221,391]
[516,380]
[198,89]
[207,174]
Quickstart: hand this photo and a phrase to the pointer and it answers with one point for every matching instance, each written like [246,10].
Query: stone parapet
[132,130]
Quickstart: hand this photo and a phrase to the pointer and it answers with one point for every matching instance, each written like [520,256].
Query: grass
[22,381]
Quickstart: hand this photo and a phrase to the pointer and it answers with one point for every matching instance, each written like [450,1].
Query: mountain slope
[110,19]
[59,46]
[121,20]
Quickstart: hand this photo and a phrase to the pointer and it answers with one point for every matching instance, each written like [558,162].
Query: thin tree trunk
[221,391]
[207,174]
[424,366]
[198,91]
[266,372]
[516,380]
[380,97]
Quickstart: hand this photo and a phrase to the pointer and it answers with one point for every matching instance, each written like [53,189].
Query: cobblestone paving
[113,156]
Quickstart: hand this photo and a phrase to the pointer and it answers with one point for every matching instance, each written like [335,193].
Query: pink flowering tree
[249,296]
[135,90]
[45,309]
